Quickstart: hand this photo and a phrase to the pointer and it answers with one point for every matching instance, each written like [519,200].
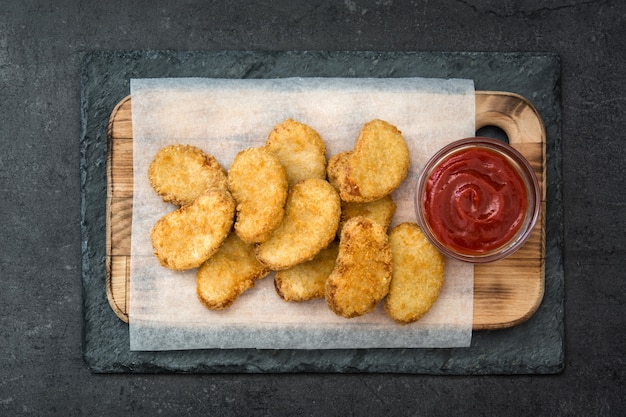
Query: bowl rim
[519,163]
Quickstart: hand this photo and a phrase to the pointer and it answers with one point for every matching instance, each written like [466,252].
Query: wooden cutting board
[506,292]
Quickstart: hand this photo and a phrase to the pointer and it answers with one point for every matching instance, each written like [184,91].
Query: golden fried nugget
[307,280]
[417,276]
[180,173]
[337,169]
[300,150]
[375,167]
[258,183]
[228,273]
[311,218]
[381,211]
[362,273]
[185,238]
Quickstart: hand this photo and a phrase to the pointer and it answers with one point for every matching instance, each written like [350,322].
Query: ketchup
[475,200]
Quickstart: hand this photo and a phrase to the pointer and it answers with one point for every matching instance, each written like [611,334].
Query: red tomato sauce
[475,201]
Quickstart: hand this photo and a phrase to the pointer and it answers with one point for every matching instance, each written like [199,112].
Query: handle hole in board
[493,132]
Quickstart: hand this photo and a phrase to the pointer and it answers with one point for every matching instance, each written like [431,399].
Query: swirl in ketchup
[475,201]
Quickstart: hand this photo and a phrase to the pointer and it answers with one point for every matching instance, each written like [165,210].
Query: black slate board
[534,347]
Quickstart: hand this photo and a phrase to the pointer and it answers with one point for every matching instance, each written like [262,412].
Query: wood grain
[506,292]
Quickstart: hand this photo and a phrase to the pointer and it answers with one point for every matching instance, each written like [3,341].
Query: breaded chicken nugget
[381,211]
[228,273]
[258,183]
[311,218]
[180,173]
[185,238]
[377,165]
[362,273]
[300,150]
[337,170]
[307,280]
[417,277]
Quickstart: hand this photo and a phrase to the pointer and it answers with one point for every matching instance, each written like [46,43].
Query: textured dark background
[42,45]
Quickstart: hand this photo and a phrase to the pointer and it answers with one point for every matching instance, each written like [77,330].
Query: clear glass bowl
[520,165]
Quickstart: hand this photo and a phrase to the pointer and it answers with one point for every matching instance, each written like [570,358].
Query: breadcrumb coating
[311,218]
[381,211]
[375,167]
[306,281]
[228,273]
[258,183]
[180,173]
[362,273]
[418,274]
[300,150]
[185,238]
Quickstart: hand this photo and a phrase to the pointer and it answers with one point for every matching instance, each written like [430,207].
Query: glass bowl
[477,200]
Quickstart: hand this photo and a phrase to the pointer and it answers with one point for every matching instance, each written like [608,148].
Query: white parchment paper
[224,116]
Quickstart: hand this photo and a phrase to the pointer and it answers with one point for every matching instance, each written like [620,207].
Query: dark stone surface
[533,347]
[42,45]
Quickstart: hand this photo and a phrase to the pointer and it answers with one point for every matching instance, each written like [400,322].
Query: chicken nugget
[180,173]
[337,170]
[417,277]
[381,211]
[311,218]
[258,183]
[375,167]
[362,273]
[307,280]
[300,150]
[228,273]
[185,238]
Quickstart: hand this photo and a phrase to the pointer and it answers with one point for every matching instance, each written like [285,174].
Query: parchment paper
[224,116]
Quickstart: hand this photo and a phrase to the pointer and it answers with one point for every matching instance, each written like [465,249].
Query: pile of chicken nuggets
[321,225]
